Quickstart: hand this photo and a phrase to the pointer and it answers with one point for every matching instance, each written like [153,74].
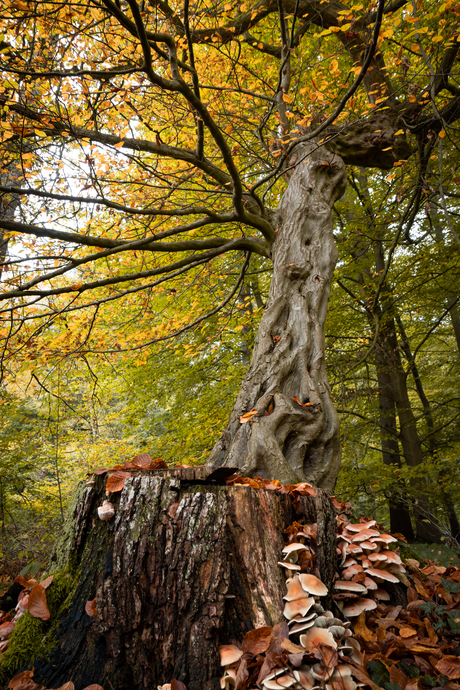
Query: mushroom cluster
[366,563]
[321,645]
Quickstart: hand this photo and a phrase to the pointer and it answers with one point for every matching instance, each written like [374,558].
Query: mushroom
[360,526]
[365,534]
[369,583]
[356,607]
[381,595]
[313,585]
[304,677]
[384,539]
[299,606]
[337,631]
[279,682]
[348,573]
[294,546]
[289,566]
[106,511]
[392,557]
[369,546]
[320,672]
[382,575]
[349,561]
[228,679]
[354,548]
[302,619]
[316,636]
[294,589]
[378,558]
[301,627]
[229,654]
[350,586]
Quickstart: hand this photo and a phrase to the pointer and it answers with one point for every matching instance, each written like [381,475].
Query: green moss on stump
[33,637]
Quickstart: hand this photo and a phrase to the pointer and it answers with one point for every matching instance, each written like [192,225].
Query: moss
[33,637]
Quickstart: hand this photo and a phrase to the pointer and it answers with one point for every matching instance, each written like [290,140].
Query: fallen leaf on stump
[116,481]
[90,608]
[257,641]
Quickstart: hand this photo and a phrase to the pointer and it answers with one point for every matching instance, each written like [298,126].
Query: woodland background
[79,392]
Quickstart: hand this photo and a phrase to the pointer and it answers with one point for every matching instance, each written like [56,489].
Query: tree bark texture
[289,440]
[183,566]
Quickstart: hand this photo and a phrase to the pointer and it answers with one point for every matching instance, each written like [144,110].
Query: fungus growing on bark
[229,654]
[294,589]
[315,637]
[381,595]
[313,585]
[349,586]
[357,527]
[106,511]
[358,606]
[382,575]
[299,606]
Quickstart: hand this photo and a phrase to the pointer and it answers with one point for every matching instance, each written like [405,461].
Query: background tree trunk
[185,565]
[288,440]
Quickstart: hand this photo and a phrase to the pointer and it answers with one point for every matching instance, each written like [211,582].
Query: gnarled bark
[293,440]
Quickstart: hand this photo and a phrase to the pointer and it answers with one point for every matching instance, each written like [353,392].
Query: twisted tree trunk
[295,434]
[185,564]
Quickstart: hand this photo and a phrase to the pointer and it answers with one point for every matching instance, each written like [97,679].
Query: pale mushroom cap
[315,637]
[106,511]
[382,575]
[354,548]
[357,527]
[369,546]
[385,539]
[369,583]
[365,534]
[356,607]
[378,557]
[289,566]
[229,654]
[320,672]
[279,682]
[349,586]
[352,570]
[302,619]
[341,671]
[298,607]
[313,585]
[304,678]
[349,561]
[301,627]
[294,589]
[381,595]
[295,546]
[392,557]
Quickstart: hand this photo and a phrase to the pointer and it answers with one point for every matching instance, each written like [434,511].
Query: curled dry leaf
[296,400]
[20,678]
[116,481]
[257,641]
[247,416]
[172,510]
[38,608]
[158,464]
[67,686]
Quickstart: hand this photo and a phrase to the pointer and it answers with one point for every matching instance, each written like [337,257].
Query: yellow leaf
[333,66]
[286,98]
[119,145]
[442,133]
[400,131]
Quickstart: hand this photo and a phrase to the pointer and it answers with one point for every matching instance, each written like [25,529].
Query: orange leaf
[247,416]
[407,632]
[67,686]
[158,464]
[177,685]
[46,583]
[296,399]
[23,676]
[38,608]
[398,677]
[116,481]
[257,641]
[449,666]
[90,608]
[362,675]
[94,686]
[362,630]
[142,461]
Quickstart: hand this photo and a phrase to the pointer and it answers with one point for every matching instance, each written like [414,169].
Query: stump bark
[185,564]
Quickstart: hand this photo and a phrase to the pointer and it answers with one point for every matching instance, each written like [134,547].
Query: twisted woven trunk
[295,434]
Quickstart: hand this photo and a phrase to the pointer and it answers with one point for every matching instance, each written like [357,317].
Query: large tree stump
[185,564]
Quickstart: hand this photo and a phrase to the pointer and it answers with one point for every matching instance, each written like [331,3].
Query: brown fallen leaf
[407,632]
[247,416]
[291,647]
[158,464]
[398,677]
[37,606]
[449,666]
[94,686]
[20,677]
[116,481]
[142,461]
[67,686]
[257,641]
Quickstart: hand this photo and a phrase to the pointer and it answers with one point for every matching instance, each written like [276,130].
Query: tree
[158,136]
